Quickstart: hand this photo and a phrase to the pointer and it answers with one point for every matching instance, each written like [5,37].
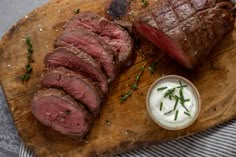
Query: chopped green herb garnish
[186,100]
[182,100]
[188,114]
[161,88]
[184,107]
[161,105]
[178,98]
[181,85]
[176,114]
[181,95]
[169,92]
[176,102]
[152,67]
[168,112]
[125,96]
[76,11]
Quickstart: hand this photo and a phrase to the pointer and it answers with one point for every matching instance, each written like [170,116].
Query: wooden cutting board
[129,125]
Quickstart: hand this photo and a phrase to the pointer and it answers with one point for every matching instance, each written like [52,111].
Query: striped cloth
[219,141]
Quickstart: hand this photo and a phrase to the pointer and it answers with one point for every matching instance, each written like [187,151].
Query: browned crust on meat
[194,27]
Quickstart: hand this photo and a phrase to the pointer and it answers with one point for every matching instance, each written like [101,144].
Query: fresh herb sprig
[145,3]
[28,67]
[125,96]
[134,86]
[76,11]
[152,67]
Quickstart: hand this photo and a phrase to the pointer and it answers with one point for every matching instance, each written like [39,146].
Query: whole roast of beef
[87,58]
[187,30]
[90,52]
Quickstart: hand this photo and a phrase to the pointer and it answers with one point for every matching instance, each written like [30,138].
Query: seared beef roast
[77,61]
[90,44]
[56,109]
[107,31]
[76,85]
[186,30]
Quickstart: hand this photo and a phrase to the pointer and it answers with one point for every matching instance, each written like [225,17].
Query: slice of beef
[106,30]
[76,85]
[186,30]
[93,46]
[55,109]
[77,61]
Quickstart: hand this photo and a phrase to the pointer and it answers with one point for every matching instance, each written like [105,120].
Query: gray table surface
[208,143]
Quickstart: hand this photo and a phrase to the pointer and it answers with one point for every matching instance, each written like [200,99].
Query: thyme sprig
[28,67]
[152,67]
[77,11]
[134,85]
[125,96]
[145,3]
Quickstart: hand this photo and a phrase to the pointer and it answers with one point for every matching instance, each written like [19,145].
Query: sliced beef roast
[81,88]
[90,44]
[106,30]
[56,109]
[186,30]
[77,61]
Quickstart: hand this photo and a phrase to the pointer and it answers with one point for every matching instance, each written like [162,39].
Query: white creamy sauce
[166,114]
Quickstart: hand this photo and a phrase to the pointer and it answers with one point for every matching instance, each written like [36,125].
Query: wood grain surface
[130,127]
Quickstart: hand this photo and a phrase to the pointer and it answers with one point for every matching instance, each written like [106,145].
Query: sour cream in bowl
[173,102]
